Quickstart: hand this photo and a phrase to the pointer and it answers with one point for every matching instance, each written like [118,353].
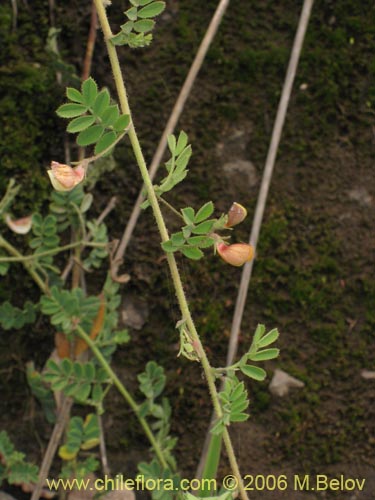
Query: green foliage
[29,85]
[45,238]
[14,317]
[69,307]
[140,21]
[109,336]
[77,379]
[13,467]
[176,166]
[41,392]
[65,206]
[170,481]
[197,233]
[234,401]
[4,266]
[94,118]
[186,343]
[152,382]
[257,352]
[102,166]
[98,235]
[81,435]
[79,469]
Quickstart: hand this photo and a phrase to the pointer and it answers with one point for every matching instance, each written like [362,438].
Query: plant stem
[170,207]
[126,395]
[58,430]
[185,311]
[19,257]
[25,258]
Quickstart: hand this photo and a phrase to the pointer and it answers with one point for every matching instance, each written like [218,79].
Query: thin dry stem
[62,419]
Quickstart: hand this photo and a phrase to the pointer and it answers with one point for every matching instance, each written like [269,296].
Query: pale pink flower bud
[236,254]
[19,226]
[65,178]
[236,214]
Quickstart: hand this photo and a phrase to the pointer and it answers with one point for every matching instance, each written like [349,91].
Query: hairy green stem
[19,257]
[170,207]
[184,307]
[123,391]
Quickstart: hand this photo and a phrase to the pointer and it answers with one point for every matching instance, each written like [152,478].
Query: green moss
[30,129]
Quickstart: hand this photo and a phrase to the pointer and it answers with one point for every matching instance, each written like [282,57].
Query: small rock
[241,172]
[234,145]
[362,196]
[282,382]
[368,374]
[134,313]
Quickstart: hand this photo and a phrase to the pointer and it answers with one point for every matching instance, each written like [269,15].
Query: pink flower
[236,214]
[236,254]
[19,226]
[65,178]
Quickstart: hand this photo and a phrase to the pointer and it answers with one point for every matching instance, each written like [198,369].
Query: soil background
[313,277]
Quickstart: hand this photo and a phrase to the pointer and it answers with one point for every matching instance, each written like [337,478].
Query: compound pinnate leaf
[13,465]
[14,317]
[152,380]
[122,337]
[234,401]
